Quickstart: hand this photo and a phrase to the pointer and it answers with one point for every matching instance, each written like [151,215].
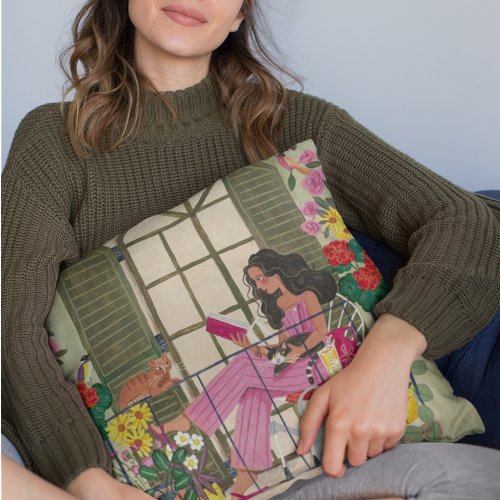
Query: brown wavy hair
[109,90]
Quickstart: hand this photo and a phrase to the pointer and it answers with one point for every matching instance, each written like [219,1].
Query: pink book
[225,327]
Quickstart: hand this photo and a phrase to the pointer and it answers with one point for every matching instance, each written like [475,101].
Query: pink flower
[314,183]
[53,345]
[158,444]
[308,156]
[125,455]
[309,209]
[135,469]
[148,461]
[310,227]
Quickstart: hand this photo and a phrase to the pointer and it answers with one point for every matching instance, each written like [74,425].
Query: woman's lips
[184,15]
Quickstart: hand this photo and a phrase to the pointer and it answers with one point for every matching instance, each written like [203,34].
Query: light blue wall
[422,75]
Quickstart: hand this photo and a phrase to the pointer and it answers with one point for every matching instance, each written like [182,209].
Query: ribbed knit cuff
[66,453]
[435,312]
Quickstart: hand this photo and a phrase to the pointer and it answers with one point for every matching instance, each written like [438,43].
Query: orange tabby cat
[149,383]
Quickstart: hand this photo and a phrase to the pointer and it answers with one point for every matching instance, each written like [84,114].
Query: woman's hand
[364,406]
[97,484]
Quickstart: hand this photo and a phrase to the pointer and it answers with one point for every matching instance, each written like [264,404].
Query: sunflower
[140,415]
[119,428]
[332,221]
[140,441]
[412,412]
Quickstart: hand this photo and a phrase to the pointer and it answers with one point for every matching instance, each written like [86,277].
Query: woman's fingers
[357,449]
[376,447]
[312,420]
[334,448]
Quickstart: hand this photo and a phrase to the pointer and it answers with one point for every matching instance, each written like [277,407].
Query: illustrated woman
[291,295]
[167,97]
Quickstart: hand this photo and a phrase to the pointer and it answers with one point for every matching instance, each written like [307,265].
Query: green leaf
[190,495]
[382,289]
[313,164]
[426,414]
[412,434]
[327,232]
[179,455]
[321,202]
[356,249]
[148,473]
[60,353]
[433,432]
[419,367]
[291,181]
[161,460]
[180,484]
[104,396]
[367,300]
[342,269]
[179,473]
[425,392]
[322,213]
[349,287]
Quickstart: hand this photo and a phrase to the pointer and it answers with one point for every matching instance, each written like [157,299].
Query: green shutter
[109,320]
[257,193]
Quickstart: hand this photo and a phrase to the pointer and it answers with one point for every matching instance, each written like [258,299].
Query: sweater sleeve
[449,288]
[47,413]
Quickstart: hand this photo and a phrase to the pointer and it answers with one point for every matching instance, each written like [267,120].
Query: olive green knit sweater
[57,208]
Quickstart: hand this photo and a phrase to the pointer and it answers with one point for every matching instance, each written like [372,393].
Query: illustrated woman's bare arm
[314,310]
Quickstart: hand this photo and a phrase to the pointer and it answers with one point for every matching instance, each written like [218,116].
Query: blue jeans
[473,370]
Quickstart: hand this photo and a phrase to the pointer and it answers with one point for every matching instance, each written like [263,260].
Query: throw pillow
[196,337]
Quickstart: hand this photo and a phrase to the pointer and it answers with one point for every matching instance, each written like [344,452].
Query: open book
[226,327]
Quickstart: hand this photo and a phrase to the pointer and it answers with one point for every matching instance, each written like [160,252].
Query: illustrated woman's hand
[364,406]
[295,353]
[241,340]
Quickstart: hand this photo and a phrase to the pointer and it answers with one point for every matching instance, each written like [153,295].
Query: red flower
[338,253]
[89,396]
[293,397]
[368,262]
[368,278]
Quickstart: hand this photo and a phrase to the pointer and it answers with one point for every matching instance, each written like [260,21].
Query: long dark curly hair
[296,276]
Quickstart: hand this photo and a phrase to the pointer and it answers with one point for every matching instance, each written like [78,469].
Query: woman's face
[183,28]
[268,284]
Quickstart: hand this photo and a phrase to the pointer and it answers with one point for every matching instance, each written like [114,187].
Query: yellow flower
[169,452]
[218,496]
[119,428]
[412,413]
[333,222]
[141,416]
[140,441]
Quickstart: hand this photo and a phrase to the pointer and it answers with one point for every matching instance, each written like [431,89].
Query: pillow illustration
[197,337]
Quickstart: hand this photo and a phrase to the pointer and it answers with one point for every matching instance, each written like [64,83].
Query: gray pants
[424,471]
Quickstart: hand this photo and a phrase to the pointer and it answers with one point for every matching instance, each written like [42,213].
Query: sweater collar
[189,103]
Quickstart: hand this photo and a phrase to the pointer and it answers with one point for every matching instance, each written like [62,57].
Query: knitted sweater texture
[57,208]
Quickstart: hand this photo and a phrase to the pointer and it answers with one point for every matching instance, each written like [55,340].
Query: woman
[291,294]
[117,155]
